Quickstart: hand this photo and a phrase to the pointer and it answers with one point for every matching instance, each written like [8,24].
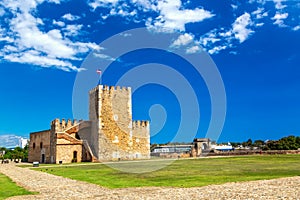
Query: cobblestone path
[55,187]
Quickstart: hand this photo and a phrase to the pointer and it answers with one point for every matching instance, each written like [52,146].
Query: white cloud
[171,14]
[216,40]
[145,4]
[259,24]
[260,13]
[104,56]
[216,49]
[26,28]
[173,17]
[121,12]
[128,10]
[279,19]
[183,40]
[296,28]
[278,4]
[239,27]
[233,52]
[72,29]
[101,3]
[32,56]
[70,17]
[30,44]
[55,1]
[220,39]
[2,11]
[59,23]
[187,42]
[226,33]
[193,49]
[210,38]
[284,13]
[9,48]
[234,7]
[257,1]
[27,34]
[4,37]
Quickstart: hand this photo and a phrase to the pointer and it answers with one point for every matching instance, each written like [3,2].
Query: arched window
[33,145]
[41,145]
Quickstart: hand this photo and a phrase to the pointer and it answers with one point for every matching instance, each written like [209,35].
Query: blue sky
[254,44]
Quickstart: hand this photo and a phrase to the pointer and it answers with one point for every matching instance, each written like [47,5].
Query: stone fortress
[110,134]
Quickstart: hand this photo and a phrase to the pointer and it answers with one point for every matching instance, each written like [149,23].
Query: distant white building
[23,142]
[172,149]
[227,147]
[12,141]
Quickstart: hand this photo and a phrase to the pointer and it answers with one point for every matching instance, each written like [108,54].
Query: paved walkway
[55,187]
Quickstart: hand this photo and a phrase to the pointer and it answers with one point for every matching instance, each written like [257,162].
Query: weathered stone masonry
[115,135]
[110,133]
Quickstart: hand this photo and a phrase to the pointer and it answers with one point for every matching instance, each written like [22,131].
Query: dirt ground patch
[55,187]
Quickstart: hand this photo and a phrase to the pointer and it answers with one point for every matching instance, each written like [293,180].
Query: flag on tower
[98,71]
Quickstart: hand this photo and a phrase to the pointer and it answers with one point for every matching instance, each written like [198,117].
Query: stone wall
[86,137]
[115,137]
[39,147]
[54,127]
[111,111]
[200,145]
[109,134]
[95,119]
[141,139]
[64,141]
[65,153]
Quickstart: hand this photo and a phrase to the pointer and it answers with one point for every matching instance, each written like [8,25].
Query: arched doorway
[74,156]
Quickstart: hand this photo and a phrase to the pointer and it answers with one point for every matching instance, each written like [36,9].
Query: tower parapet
[141,138]
[141,128]
[60,126]
[110,88]
[140,123]
[113,134]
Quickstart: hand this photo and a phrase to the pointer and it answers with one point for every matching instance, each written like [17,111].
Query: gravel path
[55,187]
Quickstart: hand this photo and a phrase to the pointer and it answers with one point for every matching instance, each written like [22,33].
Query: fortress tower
[110,133]
[114,136]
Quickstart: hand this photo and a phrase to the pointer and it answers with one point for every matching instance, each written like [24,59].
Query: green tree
[298,141]
[25,153]
[18,153]
[286,143]
[248,143]
[15,154]
[259,143]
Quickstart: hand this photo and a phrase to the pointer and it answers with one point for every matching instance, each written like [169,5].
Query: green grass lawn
[186,172]
[9,188]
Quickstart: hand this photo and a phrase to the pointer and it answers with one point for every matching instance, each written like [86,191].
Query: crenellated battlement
[98,87]
[63,124]
[115,88]
[140,123]
[110,88]
[110,133]
[113,133]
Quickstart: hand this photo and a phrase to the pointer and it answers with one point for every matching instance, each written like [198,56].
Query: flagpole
[99,83]
[98,71]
